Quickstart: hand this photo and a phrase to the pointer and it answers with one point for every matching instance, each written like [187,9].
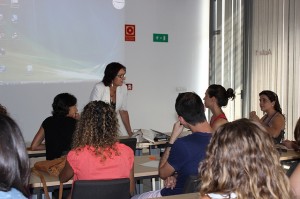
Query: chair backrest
[101,189]
[192,184]
[131,142]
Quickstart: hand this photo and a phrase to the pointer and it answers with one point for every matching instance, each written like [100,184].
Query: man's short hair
[189,106]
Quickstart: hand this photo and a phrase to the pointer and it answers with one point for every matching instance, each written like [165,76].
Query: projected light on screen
[55,40]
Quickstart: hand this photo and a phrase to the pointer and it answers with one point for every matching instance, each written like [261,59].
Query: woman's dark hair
[111,71]
[220,93]
[297,132]
[14,161]
[189,106]
[3,110]
[61,104]
[273,98]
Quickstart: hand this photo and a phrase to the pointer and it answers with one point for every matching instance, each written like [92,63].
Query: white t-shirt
[102,93]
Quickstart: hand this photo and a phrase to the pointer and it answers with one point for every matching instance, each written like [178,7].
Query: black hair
[61,104]
[111,71]
[14,161]
[221,94]
[189,106]
[273,98]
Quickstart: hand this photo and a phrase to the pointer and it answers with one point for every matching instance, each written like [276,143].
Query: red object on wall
[129,32]
[129,87]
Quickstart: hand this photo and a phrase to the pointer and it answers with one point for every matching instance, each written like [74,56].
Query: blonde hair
[242,159]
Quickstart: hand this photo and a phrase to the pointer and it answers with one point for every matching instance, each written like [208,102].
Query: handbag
[51,167]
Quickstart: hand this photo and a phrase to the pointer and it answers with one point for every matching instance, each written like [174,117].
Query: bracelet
[168,144]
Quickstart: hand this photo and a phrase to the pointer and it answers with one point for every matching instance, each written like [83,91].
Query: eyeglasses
[121,76]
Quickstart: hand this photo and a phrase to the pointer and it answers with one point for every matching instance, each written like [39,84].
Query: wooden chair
[101,189]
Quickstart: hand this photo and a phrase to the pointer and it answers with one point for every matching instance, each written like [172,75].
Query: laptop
[131,142]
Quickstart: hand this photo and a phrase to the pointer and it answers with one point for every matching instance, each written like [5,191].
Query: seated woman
[216,96]
[248,167]
[273,119]
[14,161]
[57,130]
[96,153]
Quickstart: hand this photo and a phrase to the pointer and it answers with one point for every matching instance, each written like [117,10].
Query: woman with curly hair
[96,153]
[216,96]
[242,162]
[58,129]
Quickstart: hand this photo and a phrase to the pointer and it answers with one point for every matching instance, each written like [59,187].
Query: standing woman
[273,119]
[112,90]
[216,96]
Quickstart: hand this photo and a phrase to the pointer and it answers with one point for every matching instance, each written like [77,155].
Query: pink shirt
[87,166]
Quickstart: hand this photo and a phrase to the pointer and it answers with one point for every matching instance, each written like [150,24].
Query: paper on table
[153,163]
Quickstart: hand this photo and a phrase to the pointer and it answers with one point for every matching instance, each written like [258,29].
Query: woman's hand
[253,116]
[170,182]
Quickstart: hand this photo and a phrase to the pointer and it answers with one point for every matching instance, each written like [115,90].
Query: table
[52,182]
[289,155]
[139,146]
[182,196]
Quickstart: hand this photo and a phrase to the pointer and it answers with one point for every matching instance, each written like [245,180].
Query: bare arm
[165,169]
[125,119]
[67,173]
[295,181]
[132,182]
[277,124]
[36,143]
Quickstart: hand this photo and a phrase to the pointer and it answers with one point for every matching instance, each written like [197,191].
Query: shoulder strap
[46,193]
[222,115]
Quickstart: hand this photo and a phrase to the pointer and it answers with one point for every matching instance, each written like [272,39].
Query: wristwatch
[168,144]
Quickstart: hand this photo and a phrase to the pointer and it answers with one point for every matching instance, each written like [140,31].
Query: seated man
[182,155]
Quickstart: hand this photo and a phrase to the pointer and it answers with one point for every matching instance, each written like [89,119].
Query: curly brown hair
[97,128]
[242,159]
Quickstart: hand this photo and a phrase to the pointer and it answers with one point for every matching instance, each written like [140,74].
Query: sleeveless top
[220,116]
[280,137]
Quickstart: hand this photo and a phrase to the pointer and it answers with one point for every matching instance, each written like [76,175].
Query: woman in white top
[113,91]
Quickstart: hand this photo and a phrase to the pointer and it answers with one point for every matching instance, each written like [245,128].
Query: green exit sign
[160,37]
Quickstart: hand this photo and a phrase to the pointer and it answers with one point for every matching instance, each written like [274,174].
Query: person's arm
[67,173]
[165,169]
[125,119]
[295,181]
[36,143]
[277,125]
[132,182]
[290,144]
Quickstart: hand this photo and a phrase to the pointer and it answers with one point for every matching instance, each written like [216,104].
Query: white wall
[154,69]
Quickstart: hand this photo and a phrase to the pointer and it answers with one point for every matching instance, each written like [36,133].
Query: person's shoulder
[99,85]
[12,194]
[124,148]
